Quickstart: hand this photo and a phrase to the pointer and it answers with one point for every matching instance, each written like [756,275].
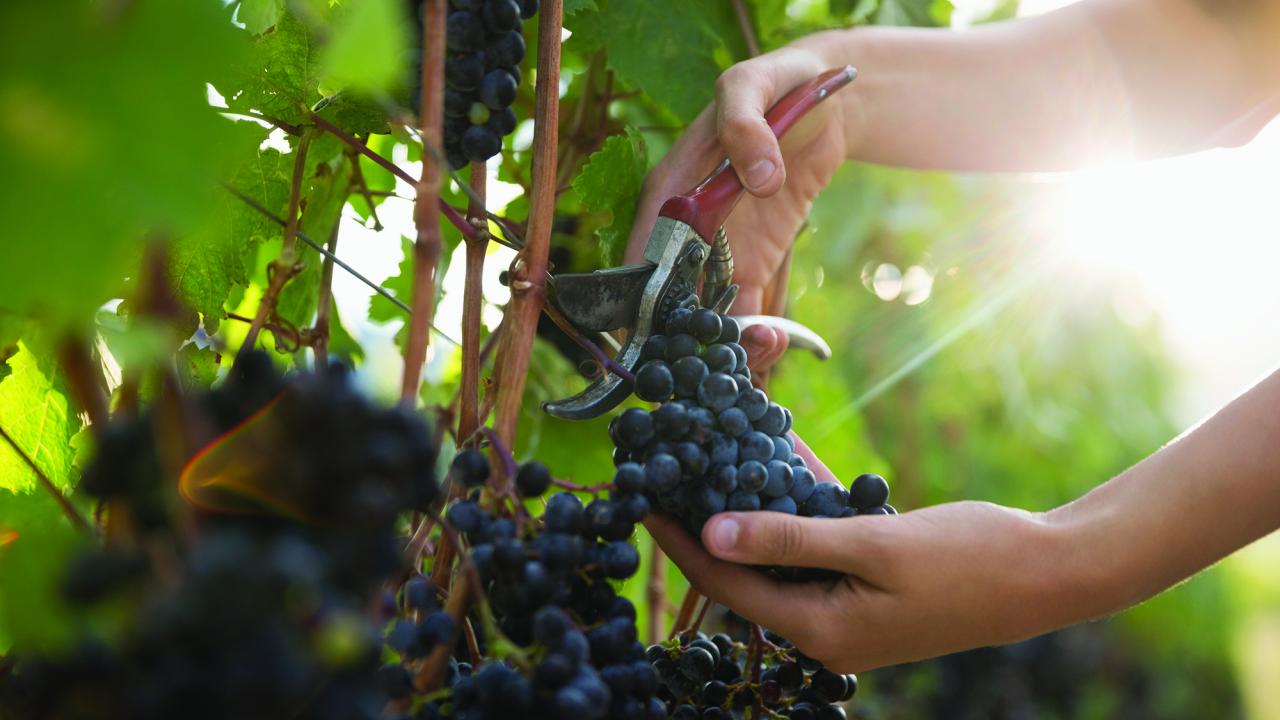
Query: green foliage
[105,137]
[670,49]
[610,182]
[260,16]
[207,264]
[35,414]
[280,77]
[368,46]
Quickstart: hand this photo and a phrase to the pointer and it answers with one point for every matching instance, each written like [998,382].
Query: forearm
[1102,79]
[1207,494]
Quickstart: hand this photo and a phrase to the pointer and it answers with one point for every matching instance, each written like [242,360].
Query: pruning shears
[687,244]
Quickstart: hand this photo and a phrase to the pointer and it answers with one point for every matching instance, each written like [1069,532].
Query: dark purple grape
[479,143]
[654,382]
[498,89]
[464,32]
[533,479]
[867,491]
[506,51]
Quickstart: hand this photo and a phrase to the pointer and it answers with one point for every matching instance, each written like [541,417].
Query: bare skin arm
[968,574]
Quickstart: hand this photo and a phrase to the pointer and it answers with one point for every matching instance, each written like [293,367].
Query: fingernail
[759,174]
[724,536]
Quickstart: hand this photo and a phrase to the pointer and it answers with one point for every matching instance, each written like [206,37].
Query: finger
[759,341]
[850,545]
[748,592]
[743,94]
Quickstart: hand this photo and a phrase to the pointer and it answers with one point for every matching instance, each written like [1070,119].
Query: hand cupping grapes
[716,443]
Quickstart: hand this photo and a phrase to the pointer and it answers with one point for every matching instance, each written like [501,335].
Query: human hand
[921,584]
[781,180]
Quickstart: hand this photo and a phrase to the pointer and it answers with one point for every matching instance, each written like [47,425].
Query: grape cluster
[714,678]
[482,75]
[262,612]
[716,442]
[548,585]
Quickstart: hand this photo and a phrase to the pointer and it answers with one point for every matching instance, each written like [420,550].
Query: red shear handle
[708,205]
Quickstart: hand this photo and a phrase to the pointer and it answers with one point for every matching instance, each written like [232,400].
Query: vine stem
[84,375]
[472,300]
[656,592]
[324,303]
[528,283]
[283,267]
[67,508]
[744,24]
[426,250]
[702,615]
[451,213]
[592,489]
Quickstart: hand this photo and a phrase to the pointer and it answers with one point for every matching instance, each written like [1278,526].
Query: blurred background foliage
[970,363]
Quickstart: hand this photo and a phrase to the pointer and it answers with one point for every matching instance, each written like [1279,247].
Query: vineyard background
[971,359]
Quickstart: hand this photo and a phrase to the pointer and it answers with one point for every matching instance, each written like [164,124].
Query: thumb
[769,538]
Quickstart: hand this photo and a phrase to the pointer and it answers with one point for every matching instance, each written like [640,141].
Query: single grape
[662,472]
[634,429]
[867,491]
[502,122]
[681,345]
[780,479]
[688,373]
[718,392]
[654,348]
[752,476]
[671,421]
[734,422]
[464,32]
[730,331]
[719,358]
[506,51]
[498,89]
[756,446]
[533,479]
[501,15]
[754,403]
[654,381]
[802,483]
[629,478]
[705,325]
[564,514]
[724,478]
[771,423]
[479,143]
[464,72]
[678,321]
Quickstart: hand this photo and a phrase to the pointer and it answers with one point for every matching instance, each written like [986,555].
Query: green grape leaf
[197,367]
[205,266]
[11,327]
[281,76]
[35,413]
[401,286]
[260,16]
[108,137]
[573,6]
[36,540]
[610,182]
[673,50]
[341,343]
[769,20]
[325,196]
[367,47]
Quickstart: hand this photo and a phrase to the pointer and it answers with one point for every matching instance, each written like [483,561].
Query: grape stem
[472,300]
[592,489]
[529,270]
[758,641]
[702,615]
[84,375]
[67,508]
[744,24]
[606,363]
[426,248]
[357,179]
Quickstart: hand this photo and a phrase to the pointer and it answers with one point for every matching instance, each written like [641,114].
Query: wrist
[1088,563]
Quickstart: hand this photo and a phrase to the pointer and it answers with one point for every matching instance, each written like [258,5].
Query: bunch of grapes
[716,442]
[547,583]
[257,612]
[716,677]
[482,75]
